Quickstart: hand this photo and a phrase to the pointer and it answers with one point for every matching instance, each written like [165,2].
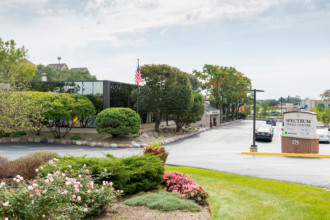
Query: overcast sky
[282,45]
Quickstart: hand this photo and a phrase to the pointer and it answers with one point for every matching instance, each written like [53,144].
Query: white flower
[37,170]
[30,187]
[6,203]
[41,168]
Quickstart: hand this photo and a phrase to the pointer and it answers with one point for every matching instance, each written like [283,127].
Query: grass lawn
[239,197]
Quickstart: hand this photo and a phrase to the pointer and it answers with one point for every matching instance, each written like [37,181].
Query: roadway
[218,149]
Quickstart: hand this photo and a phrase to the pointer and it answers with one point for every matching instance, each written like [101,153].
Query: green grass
[239,197]
[164,201]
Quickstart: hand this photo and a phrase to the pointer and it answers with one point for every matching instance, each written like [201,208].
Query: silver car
[323,135]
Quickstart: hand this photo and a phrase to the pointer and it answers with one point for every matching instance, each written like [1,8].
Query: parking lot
[219,149]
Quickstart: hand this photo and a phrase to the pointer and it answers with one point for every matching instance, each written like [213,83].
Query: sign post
[299,133]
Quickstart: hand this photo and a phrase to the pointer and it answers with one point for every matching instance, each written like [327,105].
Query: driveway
[219,149]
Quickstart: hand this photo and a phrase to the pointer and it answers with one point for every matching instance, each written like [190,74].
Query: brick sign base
[299,145]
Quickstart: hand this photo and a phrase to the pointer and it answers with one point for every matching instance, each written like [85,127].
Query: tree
[326,95]
[273,102]
[178,99]
[13,63]
[264,108]
[197,110]
[226,85]
[63,107]
[54,74]
[19,111]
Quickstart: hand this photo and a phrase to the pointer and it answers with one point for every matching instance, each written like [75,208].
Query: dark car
[264,133]
[271,121]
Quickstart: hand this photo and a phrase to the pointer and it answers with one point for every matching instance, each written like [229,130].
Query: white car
[323,135]
[320,125]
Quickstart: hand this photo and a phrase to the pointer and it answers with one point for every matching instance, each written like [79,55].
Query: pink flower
[6,203]
[30,187]
[65,192]
[74,196]
[199,198]
[85,209]
[69,166]
[76,190]
[79,198]
[31,195]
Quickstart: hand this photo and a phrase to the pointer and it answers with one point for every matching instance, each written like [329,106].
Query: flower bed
[67,194]
[183,184]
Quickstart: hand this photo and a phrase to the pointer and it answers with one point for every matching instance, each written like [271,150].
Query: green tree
[226,85]
[54,74]
[264,108]
[178,98]
[19,111]
[197,110]
[59,107]
[326,95]
[13,63]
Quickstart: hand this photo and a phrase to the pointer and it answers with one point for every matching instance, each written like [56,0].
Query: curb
[287,154]
[104,144]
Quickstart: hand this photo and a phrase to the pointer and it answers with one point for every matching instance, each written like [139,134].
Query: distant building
[81,69]
[211,117]
[307,104]
[61,66]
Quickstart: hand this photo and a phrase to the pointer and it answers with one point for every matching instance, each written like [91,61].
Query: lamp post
[254,147]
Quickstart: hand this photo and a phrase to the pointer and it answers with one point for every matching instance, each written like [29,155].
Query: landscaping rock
[134,144]
[57,141]
[84,143]
[23,140]
[121,145]
[30,140]
[37,140]
[79,143]
[99,144]
[64,142]
[51,141]
[113,145]
[93,144]
[106,145]
[14,140]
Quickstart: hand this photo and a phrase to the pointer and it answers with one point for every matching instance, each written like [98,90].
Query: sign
[215,112]
[300,125]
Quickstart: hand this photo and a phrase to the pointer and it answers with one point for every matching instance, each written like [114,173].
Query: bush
[55,195]
[118,121]
[25,166]
[131,174]
[3,160]
[75,137]
[183,184]
[163,201]
[19,134]
[241,115]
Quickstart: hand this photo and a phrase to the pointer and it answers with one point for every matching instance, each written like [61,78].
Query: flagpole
[137,93]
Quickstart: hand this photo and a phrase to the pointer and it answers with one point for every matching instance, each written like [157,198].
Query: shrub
[155,149]
[163,201]
[131,174]
[19,134]
[75,137]
[55,195]
[118,121]
[3,160]
[182,183]
[25,166]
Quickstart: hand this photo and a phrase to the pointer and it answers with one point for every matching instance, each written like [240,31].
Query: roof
[58,65]
[82,69]
[209,107]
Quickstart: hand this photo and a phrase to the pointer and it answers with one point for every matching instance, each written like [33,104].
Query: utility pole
[254,147]
[281,105]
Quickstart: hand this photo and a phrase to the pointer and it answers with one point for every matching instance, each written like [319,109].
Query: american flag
[138,75]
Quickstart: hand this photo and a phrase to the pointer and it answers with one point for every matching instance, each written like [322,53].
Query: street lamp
[254,147]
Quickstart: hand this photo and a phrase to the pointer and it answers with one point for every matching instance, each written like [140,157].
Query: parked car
[264,133]
[271,121]
[271,128]
[320,125]
[323,135]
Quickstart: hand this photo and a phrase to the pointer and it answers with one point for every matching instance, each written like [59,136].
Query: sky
[283,46]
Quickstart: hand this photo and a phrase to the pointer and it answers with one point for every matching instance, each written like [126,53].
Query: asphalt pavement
[218,149]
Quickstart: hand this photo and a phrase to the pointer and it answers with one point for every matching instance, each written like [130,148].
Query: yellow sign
[75,120]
